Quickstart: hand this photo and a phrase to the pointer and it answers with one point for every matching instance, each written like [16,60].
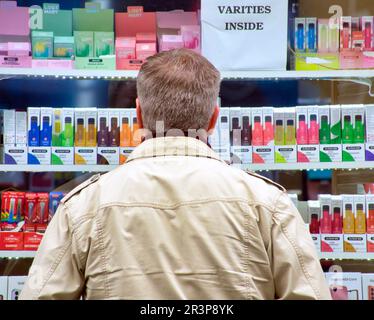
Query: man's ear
[139,114]
[213,119]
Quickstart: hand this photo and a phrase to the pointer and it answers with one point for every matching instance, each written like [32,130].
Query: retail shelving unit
[225,75]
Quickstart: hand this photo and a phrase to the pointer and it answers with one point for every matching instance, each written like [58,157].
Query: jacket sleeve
[56,270]
[295,264]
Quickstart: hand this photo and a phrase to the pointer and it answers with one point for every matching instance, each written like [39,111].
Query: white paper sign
[245,34]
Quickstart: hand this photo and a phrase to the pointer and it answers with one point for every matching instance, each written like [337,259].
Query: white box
[223,152]
[300,47]
[79,127]
[39,155]
[369,151]
[246,134]
[368,286]
[257,122]
[21,129]
[353,152]
[308,153]
[224,123]
[360,215]
[326,214]
[114,128]
[46,116]
[332,243]
[33,125]
[108,155]
[286,154]
[85,155]
[335,124]
[369,200]
[337,214]
[241,155]
[330,153]
[289,126]
[313,123]
[263,154]
[62,155]
[302,116]
[9,126]
[370,242]
[348,213]
[125,153]
[67,118]
[324,116]
[268,125]
[311,21]
[15,286]
[125,121]
[235,126]
[91,127]
[279,130]
[355,243]
[102,129]
[317,241]
[15,155]
[345,285]
[3,288]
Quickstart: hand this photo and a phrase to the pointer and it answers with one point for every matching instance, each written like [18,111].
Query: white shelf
[311,166]
[252,167]
[128,74]
[346,256]
[57,168]
[17,254]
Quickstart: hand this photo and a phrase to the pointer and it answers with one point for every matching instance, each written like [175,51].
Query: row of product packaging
[331,35]
[91,37]
[334,43]
[341,223]
[350,285]
[11,287]
[25,217]
[68,136]
[330,133]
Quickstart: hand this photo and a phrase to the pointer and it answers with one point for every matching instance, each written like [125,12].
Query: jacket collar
[172,146]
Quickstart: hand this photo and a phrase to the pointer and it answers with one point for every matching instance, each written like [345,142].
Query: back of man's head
[179,88]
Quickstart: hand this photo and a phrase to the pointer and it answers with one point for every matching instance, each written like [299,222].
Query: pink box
[15,62]
[368,60]
[191,36]
[351,59]
[145,50]
[19,49]
[170,42]
[145,37]
[8,4]
[125,48]
[129,64]
[3,49]
[173,20]
[14,21]
[53,64]
[128,25]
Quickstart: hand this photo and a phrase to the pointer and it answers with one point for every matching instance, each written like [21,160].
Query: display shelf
[251,167]
[57,168]
[226,75]
[17,254]
[346,256]
[310,166]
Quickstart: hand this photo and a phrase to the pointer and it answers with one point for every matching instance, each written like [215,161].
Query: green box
[102,63]
[42,44]
[104,43]
[63,47]
[89,19]
[330,61]
[84,44]
[60,22]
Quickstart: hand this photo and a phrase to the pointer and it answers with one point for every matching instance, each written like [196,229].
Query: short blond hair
[179,88]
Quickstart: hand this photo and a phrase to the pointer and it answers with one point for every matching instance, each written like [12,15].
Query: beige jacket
[175,222]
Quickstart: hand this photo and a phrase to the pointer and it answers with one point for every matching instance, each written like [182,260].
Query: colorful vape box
[235,126]
[360,214]
[171,42]
[323,35]
[370,213]
[288,152]
[15,286]
[57,127]
[126,48]
[224,125]
[114,128]
[39,155]
[55,198]
[3,288]
[302,125]
[64,47]
[136,134]
[57,63]
[345,33]
[108,155]
[60,22]
[103,125]
[314,223]
[85,156]
[125,153]
[9,127]
[191,36]
[367,286]
[300,34]
[370,242]
[330,153]
[268,125]
[263,154]
[367,24]
[18,49]
[348,214]
[311,34]
[354,152]
[326,216]
[146,37]
[308,153]
[344,285]
[104,43]
[125,129]
[257,127]
[31,241]
[11,241]
[305,152]
[313,125]
[337,214]
[334,36]
[332,243]
[355,243]
[324,125]
[14,21]
[91,127]
[84,44]
[353,133]
[67,126]
[62,155]
[45,136]
[279,128]
[42,44]
[369,116]
[145,50]
[92,17]
[21,129]
[172,21]
[33,127]
[336,124]
[79,126]
[14,155]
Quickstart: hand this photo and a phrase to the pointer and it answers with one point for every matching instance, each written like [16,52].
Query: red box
[370,242]
[128,25]
[11,240]
[31,241]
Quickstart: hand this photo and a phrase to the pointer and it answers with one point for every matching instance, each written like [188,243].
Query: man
[175,222]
